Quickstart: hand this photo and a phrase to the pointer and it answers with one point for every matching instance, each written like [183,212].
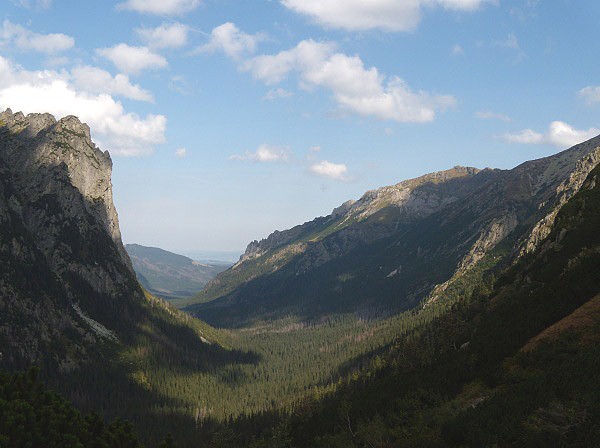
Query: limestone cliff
[65,273]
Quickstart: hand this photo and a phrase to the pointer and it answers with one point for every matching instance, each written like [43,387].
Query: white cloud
[315,148]
[25,40]
[38,4]
[457,50]
[181,153]
[123,133]
[489,115]
[229,39]
[160,7]
[590,94]
[527,136]
[275,94]
[354,87]
[179,84]
[559,134]
[265,154]
[164,36]
[96,80]
[388,15]
[512,44]
[132,60]
[324,168]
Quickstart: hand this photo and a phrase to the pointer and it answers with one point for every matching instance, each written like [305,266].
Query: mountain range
[456,309]
[397,246]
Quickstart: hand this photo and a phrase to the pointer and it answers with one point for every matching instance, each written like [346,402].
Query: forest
[509,357]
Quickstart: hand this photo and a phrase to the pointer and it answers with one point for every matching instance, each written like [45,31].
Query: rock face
[65,273]
[400,245]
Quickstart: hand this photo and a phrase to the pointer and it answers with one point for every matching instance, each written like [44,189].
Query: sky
[227,120]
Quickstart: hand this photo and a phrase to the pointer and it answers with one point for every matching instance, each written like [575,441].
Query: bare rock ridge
[65,270]
[400,245]
[413,198]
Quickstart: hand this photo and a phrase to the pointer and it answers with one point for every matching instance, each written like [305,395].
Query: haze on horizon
[228,120]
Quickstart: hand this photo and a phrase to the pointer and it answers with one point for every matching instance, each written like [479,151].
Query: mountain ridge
[170,275]
[462,217]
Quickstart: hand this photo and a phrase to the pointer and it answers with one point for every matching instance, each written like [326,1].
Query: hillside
[396,315]
[168,275]
[69,299]
[397,245]
[515,363]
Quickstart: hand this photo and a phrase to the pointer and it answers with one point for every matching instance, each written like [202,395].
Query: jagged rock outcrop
[65,273]
[412,199]
[399,245]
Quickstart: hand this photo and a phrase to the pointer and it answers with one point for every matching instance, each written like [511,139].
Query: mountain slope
[516,364]
[168,275]
[398,245]
[69,299]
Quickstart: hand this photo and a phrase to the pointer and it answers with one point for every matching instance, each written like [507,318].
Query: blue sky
[229,119]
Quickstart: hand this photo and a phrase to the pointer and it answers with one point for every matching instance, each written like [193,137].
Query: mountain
[66,276]
[399,245]
[168,275]
[69,299]
[514,363]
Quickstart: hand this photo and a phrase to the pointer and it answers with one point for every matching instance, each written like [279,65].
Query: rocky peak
[417,197]
[45,154]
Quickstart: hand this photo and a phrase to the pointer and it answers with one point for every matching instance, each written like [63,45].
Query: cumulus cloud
[489,115]
[164,36]
[559,134]
[230,40]
[388,15]
[527,136]
[23,39]
[96,80]
[590,94]
[355,88]
[265,154]
[324,168]
[181,153]
[123,133]
[160,7]
[132,60]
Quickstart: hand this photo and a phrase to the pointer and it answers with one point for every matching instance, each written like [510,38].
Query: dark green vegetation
[32,416]
[516,363]
[168,275]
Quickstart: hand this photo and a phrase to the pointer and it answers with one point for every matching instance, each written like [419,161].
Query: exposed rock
[437,227]
[64,270]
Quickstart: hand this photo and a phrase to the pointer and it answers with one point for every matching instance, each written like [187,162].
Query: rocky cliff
[65,274]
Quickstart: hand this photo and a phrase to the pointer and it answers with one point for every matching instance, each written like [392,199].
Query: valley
[171,276]
[414,316]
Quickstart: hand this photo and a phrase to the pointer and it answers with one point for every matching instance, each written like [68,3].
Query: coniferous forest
[299,224]
[507,356]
